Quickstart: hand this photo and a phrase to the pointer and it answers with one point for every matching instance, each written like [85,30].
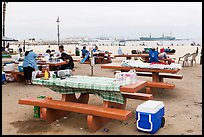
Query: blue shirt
[153,55]
[30,60]
[120,51]
[84,51]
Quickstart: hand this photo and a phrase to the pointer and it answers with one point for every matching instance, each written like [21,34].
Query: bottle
[46,76]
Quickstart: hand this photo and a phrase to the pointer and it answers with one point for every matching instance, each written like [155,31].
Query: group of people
[156,56]
[30,62]
[95,50]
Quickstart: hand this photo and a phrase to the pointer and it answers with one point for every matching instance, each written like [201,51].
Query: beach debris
[65,117]
[121,122]
[197,115]
[106,130]
[58,125]
[172,115]
[81,128]
[189,131]
[126,123]
[186,105]
[197,103]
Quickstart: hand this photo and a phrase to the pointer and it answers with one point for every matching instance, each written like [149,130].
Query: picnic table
[114,98]
[145,57]
[157,81]
[128,57]
[52,65]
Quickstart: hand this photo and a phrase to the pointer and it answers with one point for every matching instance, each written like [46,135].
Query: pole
[58,34]
[24,46]
[92,62]
[4,14]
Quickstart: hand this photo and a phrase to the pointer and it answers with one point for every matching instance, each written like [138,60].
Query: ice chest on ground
[150,116]
[3,77]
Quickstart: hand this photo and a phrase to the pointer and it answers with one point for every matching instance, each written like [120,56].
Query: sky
[103,19]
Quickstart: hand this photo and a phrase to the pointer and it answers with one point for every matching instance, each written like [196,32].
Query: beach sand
[183,108]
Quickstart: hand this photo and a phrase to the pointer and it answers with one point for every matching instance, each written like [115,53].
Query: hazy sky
[95,19]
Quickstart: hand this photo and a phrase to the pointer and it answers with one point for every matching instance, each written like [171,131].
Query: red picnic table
[157,80]
[97,116]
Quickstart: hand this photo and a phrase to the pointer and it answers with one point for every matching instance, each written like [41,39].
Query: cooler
[150,116]
[3,77]
[20,68]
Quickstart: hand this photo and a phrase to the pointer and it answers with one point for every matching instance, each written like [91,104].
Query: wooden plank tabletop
[134,87]
[119,67]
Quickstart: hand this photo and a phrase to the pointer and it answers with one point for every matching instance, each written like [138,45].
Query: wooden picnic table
[97,116]
[155,71]
[128,57]
[19,76]
[52,65]
[145,57]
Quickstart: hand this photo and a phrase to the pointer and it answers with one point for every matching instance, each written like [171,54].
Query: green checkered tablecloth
[104,87]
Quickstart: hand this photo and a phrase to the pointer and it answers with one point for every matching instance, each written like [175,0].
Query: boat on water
[162,38]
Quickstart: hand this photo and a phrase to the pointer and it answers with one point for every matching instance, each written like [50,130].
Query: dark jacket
[70,64]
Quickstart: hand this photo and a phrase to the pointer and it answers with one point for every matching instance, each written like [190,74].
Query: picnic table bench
[97,116]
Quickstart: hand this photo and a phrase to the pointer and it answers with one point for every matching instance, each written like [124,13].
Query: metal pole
[92,62]
[58,34]
[4,14]
[24,48]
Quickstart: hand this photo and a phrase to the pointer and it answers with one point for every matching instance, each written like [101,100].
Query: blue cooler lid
[150,106]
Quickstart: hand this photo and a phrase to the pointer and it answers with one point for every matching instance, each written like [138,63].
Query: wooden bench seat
[141,96]
[88,109]
[158,85]
[161,75]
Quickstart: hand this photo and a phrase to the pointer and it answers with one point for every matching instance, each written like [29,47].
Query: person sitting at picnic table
[84,51]
[95,49]
[69,60]
[47,55]
[66,57]
[162,54]
[153,55]
[29,65]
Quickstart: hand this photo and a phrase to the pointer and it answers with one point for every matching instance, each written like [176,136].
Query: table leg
[95,123]
[84,98]
[155,78]
[51,115]
[128,58]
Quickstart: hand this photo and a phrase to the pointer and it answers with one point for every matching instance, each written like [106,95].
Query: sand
[183,108]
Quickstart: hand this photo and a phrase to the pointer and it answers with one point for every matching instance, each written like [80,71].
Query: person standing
[77,52]
[19,49]
[197,50]
[29,64]
[120,52]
